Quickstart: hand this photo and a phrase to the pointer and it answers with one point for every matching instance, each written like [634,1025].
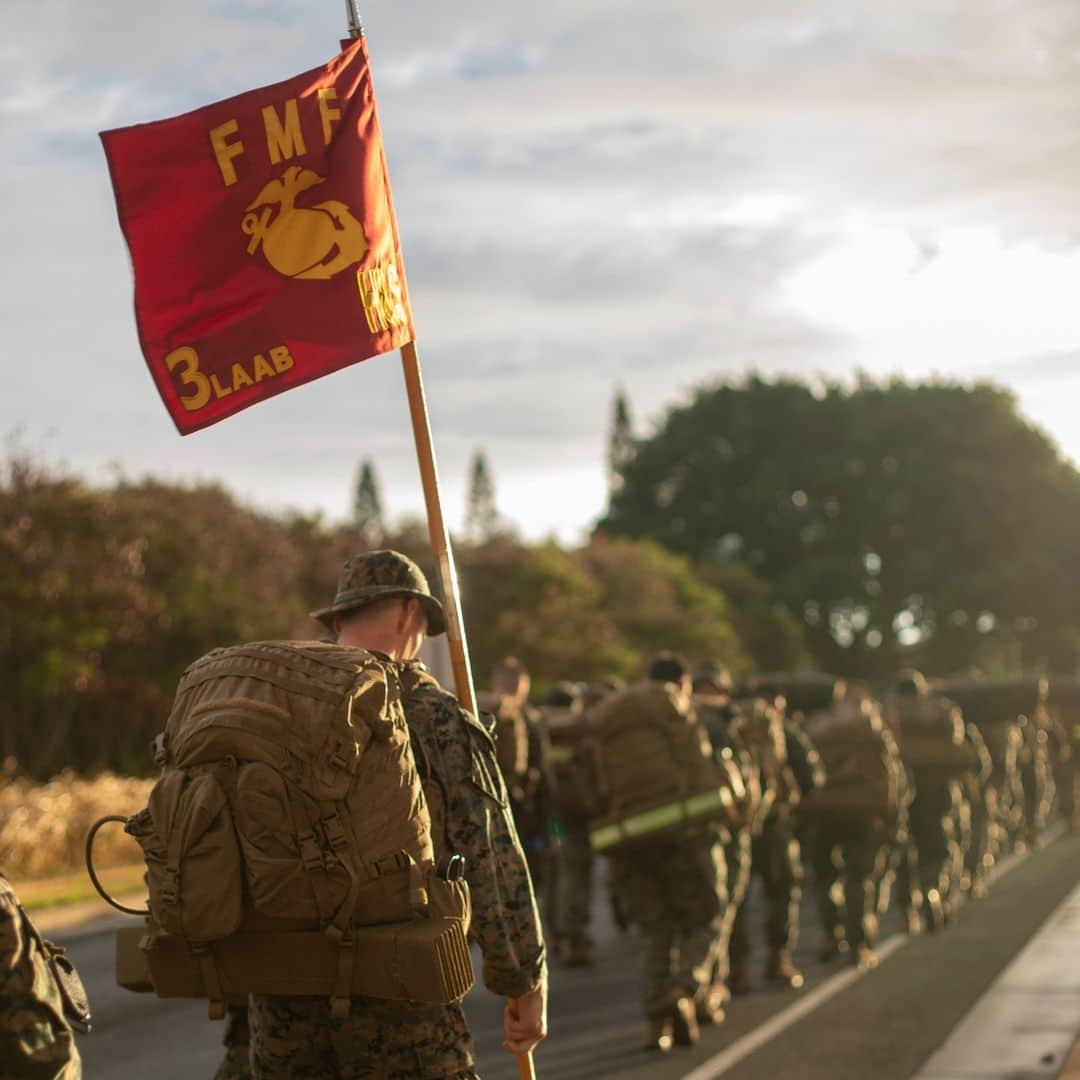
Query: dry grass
[43,826]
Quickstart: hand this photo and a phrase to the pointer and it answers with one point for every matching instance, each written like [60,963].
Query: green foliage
[112,593]
[658,601]
[367,506]
[899,522]
[620,441]
[481,516]
[539,604]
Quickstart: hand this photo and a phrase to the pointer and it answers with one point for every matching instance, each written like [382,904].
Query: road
[882,1025]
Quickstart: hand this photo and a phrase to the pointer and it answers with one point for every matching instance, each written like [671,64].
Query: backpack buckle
[310,853]
[335,834]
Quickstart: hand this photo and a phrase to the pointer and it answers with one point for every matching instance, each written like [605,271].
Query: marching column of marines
[676,791]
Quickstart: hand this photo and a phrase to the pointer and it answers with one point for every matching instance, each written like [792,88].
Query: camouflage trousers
[573,882]
[236,1065]
[296,1038]
[983,844]
[936,827]
[675,891]
[902,875]
[776,859]
[737,857]
[849,860]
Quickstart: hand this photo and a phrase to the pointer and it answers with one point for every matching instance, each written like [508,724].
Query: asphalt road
[883,1025]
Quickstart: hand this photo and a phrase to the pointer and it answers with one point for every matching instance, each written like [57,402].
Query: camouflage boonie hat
[379,574]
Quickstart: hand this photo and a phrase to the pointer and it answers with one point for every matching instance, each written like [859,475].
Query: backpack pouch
[192,856]
[290,873]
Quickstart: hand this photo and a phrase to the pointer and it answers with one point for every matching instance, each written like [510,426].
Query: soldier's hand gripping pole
[526,1068]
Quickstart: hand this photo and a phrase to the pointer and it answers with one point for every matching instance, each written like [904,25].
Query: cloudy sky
[590,193]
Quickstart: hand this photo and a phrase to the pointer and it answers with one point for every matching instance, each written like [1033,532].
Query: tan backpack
[288,842]
[655,768]
[930,732]
[862,766]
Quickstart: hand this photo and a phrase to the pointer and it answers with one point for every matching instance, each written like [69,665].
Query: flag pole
[429,480]
[440,536]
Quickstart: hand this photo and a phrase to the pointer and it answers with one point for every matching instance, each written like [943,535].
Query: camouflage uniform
[720,722]
[295,1037]
[236,1064]
[674,891]
[977,831]
[902,868]
[777,859]
[470,817]
[847,843]
[36,1039]
[570,888]
[533,810]
[939,811]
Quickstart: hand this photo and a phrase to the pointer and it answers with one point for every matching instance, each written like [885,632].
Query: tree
[620,441]
[658,601]
[899,522]
[481,517]
[367,507]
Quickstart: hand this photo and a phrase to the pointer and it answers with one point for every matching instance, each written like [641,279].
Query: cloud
[588,194]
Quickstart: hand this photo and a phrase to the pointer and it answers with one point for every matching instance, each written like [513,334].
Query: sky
[590,195]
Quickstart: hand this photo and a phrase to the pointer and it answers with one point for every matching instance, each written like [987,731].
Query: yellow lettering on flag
[262,369]
[240,377]
[281,358]
[225,151]
[283,140]
[190,376]
[328,113]
[380,295]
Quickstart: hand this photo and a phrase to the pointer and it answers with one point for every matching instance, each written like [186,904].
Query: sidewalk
[1072,1066]
[1026,1025]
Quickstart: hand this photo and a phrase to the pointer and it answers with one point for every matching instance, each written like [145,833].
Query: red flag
[263,240]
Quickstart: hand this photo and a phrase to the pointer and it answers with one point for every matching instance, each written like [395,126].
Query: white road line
[806,1004]
[744,1046]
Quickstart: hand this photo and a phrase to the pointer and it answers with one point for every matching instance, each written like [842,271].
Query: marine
[850,820]
[384,604]
[673,887]
[789,766]
[570,892]
[525,761]
[713,687]
[42,1003]
[929,731]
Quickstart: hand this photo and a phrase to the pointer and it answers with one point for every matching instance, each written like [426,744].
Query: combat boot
[710,1005]
[780,969]
[659,1037]
[935,911]
[685,1025]
[864,958]
[913,922]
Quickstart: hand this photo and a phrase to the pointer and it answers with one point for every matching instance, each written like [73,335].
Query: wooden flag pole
[440,536]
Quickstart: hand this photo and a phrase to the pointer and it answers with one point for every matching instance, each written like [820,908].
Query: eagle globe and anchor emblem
[310,243]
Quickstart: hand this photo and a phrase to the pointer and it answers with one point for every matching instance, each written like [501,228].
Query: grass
[43,829]
[124,882]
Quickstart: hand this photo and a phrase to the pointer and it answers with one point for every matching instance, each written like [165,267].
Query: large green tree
[901,522]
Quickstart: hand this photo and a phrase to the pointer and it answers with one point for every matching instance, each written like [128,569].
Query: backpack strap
[211,979]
